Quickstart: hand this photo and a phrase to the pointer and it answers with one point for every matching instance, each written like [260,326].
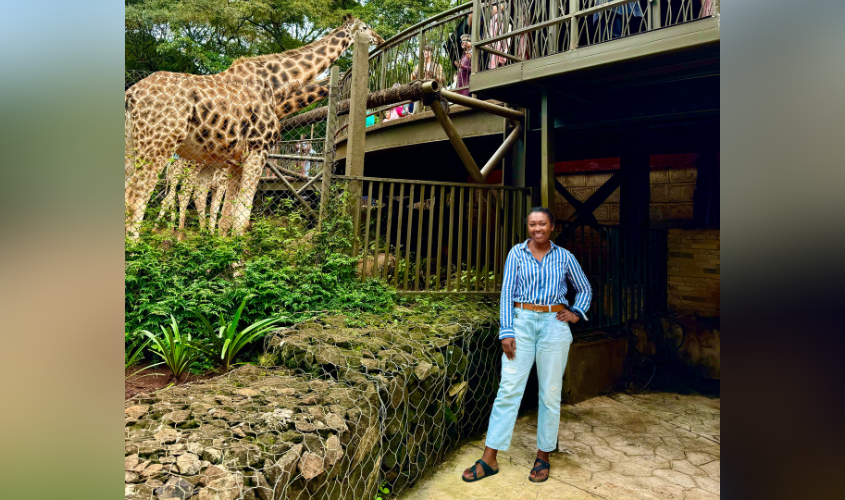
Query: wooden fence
[436,237]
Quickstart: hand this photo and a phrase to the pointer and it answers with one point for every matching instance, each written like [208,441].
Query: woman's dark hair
[542,210]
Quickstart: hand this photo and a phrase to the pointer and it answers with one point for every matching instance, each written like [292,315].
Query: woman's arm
[583,290]
[506,300]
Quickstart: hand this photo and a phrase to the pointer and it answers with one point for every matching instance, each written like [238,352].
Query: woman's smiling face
[539,227]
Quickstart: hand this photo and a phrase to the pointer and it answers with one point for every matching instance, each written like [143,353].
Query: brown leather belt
[536,308]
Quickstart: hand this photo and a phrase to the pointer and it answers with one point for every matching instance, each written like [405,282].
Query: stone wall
[673,180]
[694,272]
[346,409]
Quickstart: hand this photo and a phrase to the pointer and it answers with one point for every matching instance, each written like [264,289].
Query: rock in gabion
[346,409]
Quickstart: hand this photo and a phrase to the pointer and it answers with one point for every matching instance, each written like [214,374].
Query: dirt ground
[152,379]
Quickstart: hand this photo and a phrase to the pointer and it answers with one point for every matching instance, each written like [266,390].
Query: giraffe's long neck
[302,98]
[288,71]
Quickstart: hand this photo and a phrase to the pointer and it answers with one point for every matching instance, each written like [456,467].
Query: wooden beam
[457,142]
[501,54]
[584,213]
[305,186]
[301,200]
[547,151]
[480,105]
[500,153]
[357,131]
[296,157]
[279,170]
[475,36]
[575,202]
[358,107]
[329,146]
[418,106]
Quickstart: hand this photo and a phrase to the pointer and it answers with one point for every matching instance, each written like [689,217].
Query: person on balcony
[497,27]
[465,68]
[454,44]
[535,317]
[613,22]
[396,111]
[432,70]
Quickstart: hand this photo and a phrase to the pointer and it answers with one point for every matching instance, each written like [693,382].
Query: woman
[432,70]
[535,319]
[465,67]
[497,27]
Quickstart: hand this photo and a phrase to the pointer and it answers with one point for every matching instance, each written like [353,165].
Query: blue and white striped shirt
[543,283]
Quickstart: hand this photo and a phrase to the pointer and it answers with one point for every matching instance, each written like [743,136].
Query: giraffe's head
[355,25]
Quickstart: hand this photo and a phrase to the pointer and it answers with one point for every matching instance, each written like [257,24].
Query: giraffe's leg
[189,187]
[129,153]
[250,176]
[228,213]
[219,186]
[201,192]
[144,182]
[128,171]
[172,180]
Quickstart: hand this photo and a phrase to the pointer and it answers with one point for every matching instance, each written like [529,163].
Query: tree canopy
[206,36]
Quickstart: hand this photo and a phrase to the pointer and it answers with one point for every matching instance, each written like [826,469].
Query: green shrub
[133,350]
[178,352]
[285,268]
[226,341]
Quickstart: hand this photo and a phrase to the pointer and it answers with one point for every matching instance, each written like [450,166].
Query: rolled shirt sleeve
[508,292]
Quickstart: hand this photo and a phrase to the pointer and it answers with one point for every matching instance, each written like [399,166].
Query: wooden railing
[512,31]
[402,57]
[436,237]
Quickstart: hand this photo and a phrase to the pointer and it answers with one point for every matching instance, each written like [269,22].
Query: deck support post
[494,160]
[634,217]
[547,151]
[357,128]
[418,106]
[328,144]
[457,143]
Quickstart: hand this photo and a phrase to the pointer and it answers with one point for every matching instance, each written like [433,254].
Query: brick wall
[694,271]
[672,180]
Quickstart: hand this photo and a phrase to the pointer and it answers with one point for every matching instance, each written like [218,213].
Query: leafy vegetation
[177,351]
[283,266]
[383,491]
[133,351]
[226,342]
[206,36]
[280,269]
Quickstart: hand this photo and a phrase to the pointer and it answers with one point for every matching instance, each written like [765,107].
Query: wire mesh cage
[339,407]
[337,410]
[205,153]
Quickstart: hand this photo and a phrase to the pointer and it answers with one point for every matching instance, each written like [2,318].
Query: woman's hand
[509,346]
[568,316]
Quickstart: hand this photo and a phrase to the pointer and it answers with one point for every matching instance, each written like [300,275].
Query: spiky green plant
[177,351]
[227,341]
[135,351]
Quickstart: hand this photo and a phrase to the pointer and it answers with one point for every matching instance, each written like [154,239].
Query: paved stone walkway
[617,447]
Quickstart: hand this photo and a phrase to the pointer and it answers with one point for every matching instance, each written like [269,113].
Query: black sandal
[537,468]
[488,471]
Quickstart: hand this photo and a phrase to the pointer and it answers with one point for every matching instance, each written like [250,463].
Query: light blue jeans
[543,337]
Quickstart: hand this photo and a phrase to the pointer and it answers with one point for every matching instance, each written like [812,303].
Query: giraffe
[228,120]
[196,180]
